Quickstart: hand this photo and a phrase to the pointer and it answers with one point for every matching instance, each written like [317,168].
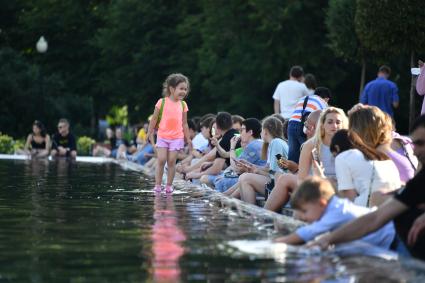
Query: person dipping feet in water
[170,117]
[63,142]
[38,142]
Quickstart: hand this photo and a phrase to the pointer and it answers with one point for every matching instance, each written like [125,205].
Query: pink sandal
[157,188]
[169,189]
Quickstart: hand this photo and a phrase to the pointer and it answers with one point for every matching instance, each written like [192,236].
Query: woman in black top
[38,142]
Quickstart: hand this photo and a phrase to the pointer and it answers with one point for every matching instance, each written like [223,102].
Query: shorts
[171,144]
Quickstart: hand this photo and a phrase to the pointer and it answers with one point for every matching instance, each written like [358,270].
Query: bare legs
[165,156]
[285,185]
[171,163]
[250,185]
[160,163]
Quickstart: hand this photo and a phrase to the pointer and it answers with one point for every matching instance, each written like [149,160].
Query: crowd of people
[348,175]
[332,168]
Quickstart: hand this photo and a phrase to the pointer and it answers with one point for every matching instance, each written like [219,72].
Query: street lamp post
[41,47]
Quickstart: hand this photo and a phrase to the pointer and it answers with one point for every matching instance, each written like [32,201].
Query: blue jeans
[141,158]
[296,138]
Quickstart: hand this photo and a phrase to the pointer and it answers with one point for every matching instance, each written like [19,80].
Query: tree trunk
[412,106]
[362,77]
[93,119]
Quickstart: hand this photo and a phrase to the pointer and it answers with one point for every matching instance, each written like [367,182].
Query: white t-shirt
[288,93]
[353,171]
[199,142]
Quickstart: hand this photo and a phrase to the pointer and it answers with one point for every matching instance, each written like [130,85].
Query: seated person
[104,149]
[142,137]
[249,136]
[362,172]
[406,208]
[185,152]
[63,142]
[119,144]
[286,183]
[254,180]
[201,141]
[218,163]
[237,122]
[143,155]
[38,142]
[316,203]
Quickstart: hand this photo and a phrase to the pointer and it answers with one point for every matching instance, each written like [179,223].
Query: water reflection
[166,241]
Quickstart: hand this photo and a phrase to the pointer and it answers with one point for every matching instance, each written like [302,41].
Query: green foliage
[84,145]
[28,95]
[118,116]
[340,24]
[18,144]
[391,27]
[6,144]
[104,54]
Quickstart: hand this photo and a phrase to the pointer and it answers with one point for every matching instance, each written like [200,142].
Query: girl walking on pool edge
[170,117]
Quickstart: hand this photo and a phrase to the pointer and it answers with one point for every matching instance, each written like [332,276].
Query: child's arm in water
[291,239]
[186,132]
[152,124]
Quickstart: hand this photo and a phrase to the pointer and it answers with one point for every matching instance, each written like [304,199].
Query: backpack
[161,109]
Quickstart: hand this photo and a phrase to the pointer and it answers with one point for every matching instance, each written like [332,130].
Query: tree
[68,27]
[340,22]
[393,28]
[26,96]
[142,42]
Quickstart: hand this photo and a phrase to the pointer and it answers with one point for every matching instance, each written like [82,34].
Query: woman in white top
[365,173]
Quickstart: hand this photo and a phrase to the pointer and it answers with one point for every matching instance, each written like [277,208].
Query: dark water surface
[80,222]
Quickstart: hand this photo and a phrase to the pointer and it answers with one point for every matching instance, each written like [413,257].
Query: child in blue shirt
[316,203]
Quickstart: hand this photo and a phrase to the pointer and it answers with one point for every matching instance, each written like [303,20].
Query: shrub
[18,144]
[6,144]
[84,145]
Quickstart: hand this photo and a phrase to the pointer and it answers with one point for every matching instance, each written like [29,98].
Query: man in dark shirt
[224,129]
[63,142]
[407,206]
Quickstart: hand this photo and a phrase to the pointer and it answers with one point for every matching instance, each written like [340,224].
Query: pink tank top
[171,125]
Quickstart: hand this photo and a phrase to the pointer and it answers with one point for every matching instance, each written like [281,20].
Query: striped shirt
[314,103]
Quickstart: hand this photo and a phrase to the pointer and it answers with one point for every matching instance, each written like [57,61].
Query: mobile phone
[278,156]
[213,131]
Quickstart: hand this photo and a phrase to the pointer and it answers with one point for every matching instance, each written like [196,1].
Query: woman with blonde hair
[257,177]
[366,171]
[315,158]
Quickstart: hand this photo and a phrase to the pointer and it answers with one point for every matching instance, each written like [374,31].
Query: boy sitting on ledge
[315,202]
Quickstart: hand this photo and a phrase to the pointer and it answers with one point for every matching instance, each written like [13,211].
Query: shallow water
[78,222]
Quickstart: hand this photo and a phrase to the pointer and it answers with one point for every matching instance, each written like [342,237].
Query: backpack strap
[303,111]
[161,109]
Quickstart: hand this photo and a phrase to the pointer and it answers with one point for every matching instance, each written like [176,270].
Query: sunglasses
[418,142]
